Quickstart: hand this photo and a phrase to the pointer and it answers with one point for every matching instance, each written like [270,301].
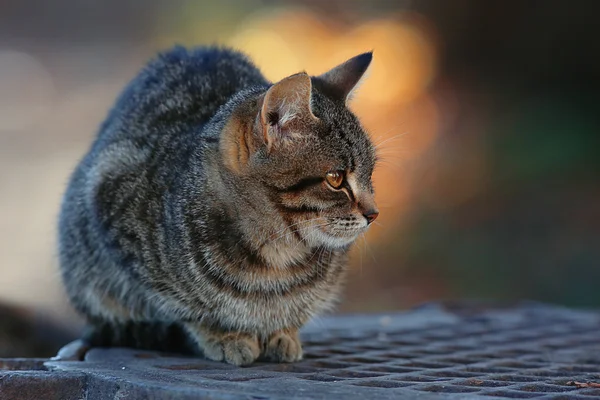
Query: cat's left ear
[286,110]
[341,81]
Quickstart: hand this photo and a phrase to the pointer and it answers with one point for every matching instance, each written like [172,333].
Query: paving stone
[445,350]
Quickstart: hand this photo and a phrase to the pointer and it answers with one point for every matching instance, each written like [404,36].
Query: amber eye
[335,178]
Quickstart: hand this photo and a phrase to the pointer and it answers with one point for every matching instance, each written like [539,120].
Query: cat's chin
[319,238]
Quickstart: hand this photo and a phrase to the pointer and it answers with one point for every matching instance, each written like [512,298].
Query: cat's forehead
[343,136]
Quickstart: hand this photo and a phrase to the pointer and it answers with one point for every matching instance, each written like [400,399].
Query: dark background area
[486,111]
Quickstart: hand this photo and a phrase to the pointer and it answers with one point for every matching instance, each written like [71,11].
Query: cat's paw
[74,351]
[284,346]
[236,349]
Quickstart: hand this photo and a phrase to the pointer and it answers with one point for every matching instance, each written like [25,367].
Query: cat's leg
[237,348]
[102,307]
[283,346]
[144,335]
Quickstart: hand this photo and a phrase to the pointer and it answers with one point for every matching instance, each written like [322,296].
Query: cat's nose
[370,216]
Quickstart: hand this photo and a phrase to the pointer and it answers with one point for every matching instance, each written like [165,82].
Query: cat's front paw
[237,350]
[233,348]
[284,346]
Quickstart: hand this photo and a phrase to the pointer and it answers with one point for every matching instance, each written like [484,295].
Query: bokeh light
[405,59]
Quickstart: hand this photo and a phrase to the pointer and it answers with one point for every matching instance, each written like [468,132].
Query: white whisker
[396,137]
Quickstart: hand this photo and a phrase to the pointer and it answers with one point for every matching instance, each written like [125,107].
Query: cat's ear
[340,82]
[286,109]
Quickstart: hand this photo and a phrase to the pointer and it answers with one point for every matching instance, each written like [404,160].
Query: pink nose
[371,215]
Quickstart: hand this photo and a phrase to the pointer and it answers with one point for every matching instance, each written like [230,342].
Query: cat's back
[180,87]
[119,193]
[157,120]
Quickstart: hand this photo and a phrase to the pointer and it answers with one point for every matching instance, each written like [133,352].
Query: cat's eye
[335,178]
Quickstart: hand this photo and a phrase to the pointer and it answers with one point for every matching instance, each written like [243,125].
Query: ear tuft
[286,103]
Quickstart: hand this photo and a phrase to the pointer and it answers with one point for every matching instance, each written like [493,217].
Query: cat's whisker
[386,142]
[376,140]
[369,249]
[384,163]
[395,155]
[390,139]
[306,264]
[286,230]
[300,242]
[394,151]
[319,259]
[360,269]
[300,229]
[287,234]
[297,223]
[398,154]
[283,231]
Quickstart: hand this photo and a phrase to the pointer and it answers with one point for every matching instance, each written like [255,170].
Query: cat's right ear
[286,110]
[341,81]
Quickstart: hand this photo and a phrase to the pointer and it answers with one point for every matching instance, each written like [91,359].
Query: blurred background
[486,115]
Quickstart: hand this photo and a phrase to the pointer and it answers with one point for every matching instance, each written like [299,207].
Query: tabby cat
[214,211]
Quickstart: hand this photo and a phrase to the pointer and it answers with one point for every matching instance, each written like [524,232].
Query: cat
[215,210]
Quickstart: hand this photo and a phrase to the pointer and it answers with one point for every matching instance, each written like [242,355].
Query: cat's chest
[269,313]
[268,299]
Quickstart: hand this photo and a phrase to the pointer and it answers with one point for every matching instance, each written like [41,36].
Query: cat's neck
[284,253]
[258,224]
[268,234]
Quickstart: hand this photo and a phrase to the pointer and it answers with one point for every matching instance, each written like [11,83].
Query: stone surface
[436,351]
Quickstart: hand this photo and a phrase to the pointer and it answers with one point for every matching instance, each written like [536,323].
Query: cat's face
[308,153]
[322,183]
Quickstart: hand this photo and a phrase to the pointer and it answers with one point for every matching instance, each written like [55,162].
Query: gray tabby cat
[214,212]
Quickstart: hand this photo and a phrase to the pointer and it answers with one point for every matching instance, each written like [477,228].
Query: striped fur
[201,209]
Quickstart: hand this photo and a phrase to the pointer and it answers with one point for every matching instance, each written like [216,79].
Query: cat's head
[300,145]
